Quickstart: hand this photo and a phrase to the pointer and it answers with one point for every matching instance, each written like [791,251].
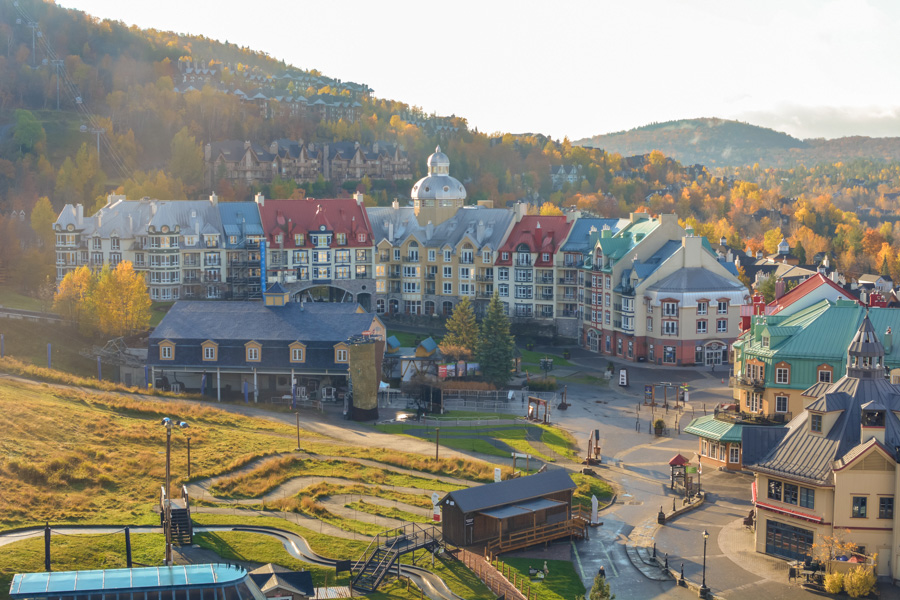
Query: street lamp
[169,424]
[703,589]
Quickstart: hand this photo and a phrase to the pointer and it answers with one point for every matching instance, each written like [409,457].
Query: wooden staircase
[384,551]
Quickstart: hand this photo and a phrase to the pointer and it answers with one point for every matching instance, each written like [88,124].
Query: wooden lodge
[513,514]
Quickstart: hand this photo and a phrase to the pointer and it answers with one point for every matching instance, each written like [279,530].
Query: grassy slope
[27,341]
[69,455]
[561,583]
[13,299]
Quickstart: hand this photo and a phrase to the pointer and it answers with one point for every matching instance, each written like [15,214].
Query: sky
[809,68]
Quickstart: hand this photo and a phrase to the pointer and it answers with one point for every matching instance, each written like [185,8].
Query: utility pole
[57,63]
[98,131]
[437,441]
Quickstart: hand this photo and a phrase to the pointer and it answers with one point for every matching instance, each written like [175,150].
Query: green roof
[712,429]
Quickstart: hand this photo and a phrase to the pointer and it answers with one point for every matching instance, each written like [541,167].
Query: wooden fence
[495,580]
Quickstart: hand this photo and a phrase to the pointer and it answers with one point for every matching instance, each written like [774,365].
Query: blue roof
[580,236]
[393,343]
[240,219]
[645,268]
[428,344]
[33,585]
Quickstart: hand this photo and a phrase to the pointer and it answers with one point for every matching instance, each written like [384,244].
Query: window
[790,493]
[781,404]
[503,289]
[669,355]
[431,255]
[298,239]
[166,352]
[396,253]
[411,271]
[734,454]
[721,325]
[411,287]
[342,272]
[278,239]
[296,354]
[342,257]
[815,423]
[381,287]
[885,508]
[341,356]
[448,288]
[300,256]
[446,256]
[774,490]
[824,376]
[649,324]
[807,497]
[545,257]
[607,344]
[606,317]
[859,507]
[253,353]
[448,272]
[651,355]
[209,353]
[523,291]
[722,308]
[701,326]
[465,273]
[505,255]
[619,346]
[782,375]
[606,300]
[341,239]
[503,274]
[670,309]
[361,237]
[702,307]
[486,256]
[630,349]
[670,327]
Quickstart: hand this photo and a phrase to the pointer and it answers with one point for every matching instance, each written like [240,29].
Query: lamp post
[169,424]
[703,589]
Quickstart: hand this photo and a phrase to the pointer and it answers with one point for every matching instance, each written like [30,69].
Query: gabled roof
[240,219]
[338,215]
[541,234]
[579,239]
[491,495]
[815,282]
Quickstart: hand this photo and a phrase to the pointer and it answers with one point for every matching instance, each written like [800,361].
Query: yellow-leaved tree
[73,296]
[548,209]
[109,303]
[121,303]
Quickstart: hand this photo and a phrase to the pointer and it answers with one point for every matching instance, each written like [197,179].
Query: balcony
[485,278]
[569,313]
[567,281]
[467,260]
[411,259]
[384,257]
[523,261]
[742,382]
[546,296]
[430,275]
[751,418]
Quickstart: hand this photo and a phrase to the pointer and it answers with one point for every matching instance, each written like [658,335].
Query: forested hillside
[724,143]
[125,88]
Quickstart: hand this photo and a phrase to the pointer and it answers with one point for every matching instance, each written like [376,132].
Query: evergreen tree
[800,253]
[461,338]
[495,344]
[600,590]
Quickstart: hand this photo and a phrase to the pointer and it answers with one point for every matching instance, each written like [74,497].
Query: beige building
[833,470]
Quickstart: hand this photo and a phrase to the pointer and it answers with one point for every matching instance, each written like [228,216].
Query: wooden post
[218,384]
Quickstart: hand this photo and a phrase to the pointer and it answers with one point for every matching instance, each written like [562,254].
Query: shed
[482,514]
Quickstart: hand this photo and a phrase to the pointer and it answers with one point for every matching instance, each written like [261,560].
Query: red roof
[678,461]
[814,282]
[541,234]
[337,215]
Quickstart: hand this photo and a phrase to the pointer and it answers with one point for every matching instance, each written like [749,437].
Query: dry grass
[272,472]
[70,455]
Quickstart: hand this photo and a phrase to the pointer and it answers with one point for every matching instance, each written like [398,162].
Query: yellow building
[833,472]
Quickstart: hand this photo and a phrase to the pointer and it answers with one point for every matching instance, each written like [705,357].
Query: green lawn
[157,311]
[533,359]
[388,512]
[561,583]
[13,299]
[409,339]
[591,486]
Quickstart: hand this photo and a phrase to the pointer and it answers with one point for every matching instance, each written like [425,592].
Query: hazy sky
[811,68]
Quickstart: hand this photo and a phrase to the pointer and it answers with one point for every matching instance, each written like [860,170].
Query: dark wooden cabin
[495,511]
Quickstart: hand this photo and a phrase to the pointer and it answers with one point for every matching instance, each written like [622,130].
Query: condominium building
[660,294]
[320,249]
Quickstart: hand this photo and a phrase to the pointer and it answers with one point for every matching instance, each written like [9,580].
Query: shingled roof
[491,495]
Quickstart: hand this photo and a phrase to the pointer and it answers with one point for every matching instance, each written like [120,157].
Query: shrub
[547,384]
[859,582]
[834,583]
[659,424]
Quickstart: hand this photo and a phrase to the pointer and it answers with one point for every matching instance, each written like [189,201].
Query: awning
[789,512]
[521,508]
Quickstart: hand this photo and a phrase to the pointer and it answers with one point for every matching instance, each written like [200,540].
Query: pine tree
[461,338]
[495,344]
[600,590]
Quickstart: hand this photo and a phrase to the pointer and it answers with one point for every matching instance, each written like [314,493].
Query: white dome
[438,185]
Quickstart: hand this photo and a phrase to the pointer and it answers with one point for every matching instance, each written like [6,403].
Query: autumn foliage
[106,303]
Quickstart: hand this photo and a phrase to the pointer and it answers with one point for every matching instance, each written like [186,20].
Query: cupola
[865,356]
[276,296]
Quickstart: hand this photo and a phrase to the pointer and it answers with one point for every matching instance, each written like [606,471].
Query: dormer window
[873,418]
[815,423]
[765,341]
[298,239]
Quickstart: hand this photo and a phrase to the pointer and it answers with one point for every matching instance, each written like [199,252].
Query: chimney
[693,246]
[360,198]
[779,288]
[521,210]
[79,214]
[246,144]
[395,204]
[759,254]
[572,215]
[391,232]
[429,230]
[153,208]
[260,199]
[479,231]
[213,199]
[99,220]
[723,241]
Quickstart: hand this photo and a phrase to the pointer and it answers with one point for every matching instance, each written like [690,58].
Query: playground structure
[593,451]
